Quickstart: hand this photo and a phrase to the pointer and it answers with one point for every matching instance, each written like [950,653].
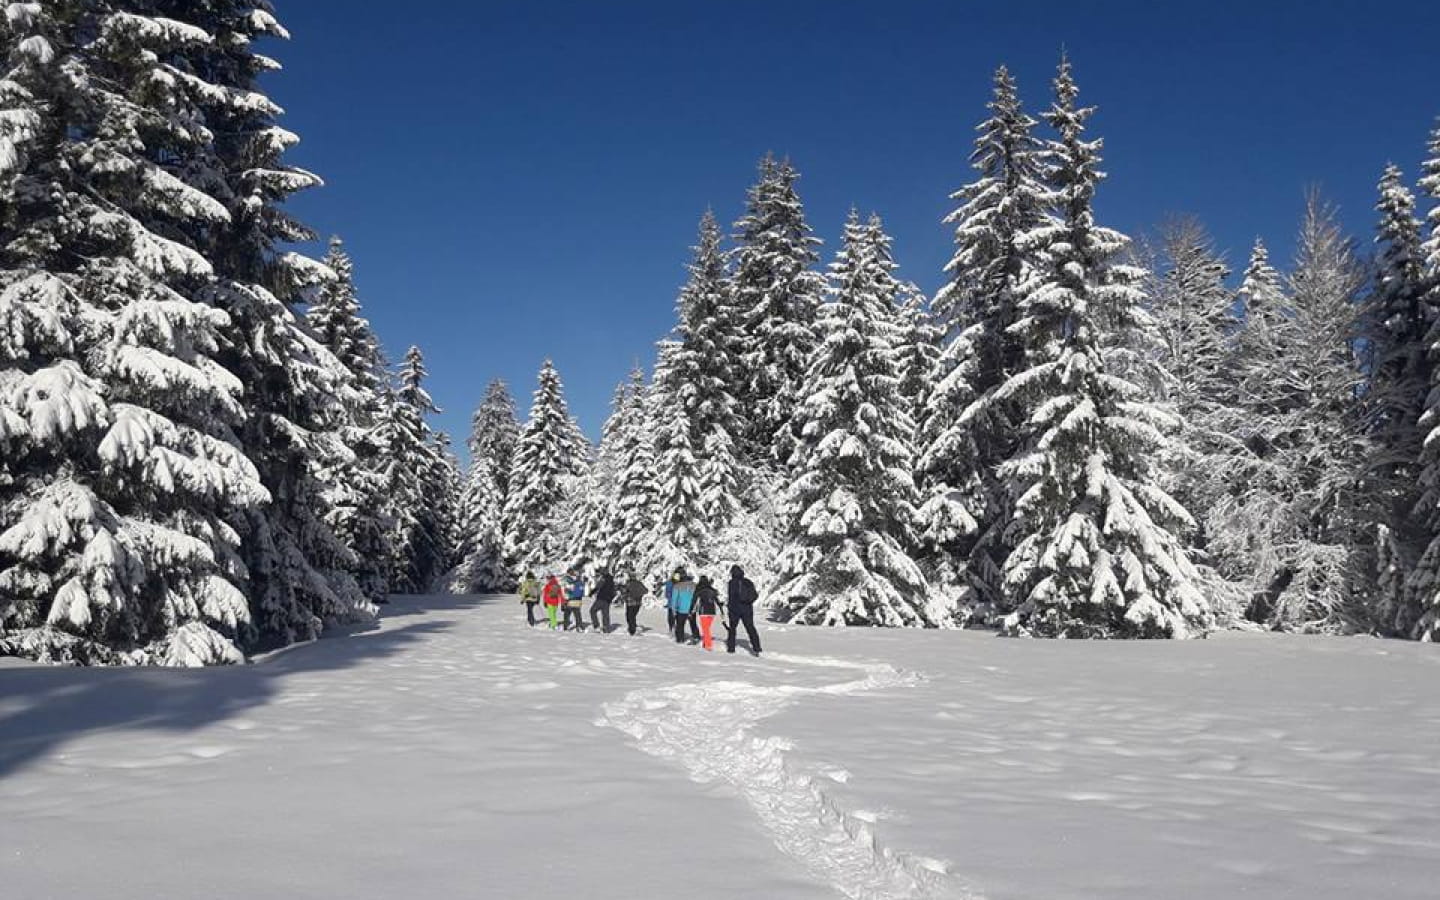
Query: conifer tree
[844,562]
[446,487]
[299,570]
[1398,317]
[411,472]
[118,469]
[919,350]
[1097,551]
[1423,584]
[1193,318]
[494,432]
[705,369]
[354,486]
[776,291]
[975,314]
[631,529]
[590,540]
[680,520]
[1286,512]
[482,568]
[549,457]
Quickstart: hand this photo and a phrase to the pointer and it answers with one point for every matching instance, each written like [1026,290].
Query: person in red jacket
[553,595]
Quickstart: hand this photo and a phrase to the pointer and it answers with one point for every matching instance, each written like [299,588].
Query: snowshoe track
[706,727]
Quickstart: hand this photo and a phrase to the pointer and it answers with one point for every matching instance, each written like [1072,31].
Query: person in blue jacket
[682,603]
[668,588]
[574,599]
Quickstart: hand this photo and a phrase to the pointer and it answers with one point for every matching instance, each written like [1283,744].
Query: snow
[450,751]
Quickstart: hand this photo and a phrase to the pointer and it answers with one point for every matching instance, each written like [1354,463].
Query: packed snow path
[452,752]
[706,728]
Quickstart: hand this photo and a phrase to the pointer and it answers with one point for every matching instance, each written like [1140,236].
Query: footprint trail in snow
[706,727]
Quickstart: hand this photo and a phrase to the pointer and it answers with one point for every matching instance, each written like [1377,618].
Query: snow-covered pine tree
[299,576]
[447,486]
[919,350]
[1287,504]
[852,497]
[1193,317]
[1098,551]
[975,313]
[1423,583]
[630,531]
[1262,291]
[680,519]
[776,292]
[482,568]
[551,454]
[494,432]
[1192,330]
[1262,309]
[598,489]
[1398,317]
[118,466]
[704,370]
[411,472]
[355,487]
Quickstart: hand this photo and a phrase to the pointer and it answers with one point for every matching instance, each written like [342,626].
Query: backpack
[748,594]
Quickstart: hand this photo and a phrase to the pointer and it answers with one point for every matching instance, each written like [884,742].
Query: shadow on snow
[63,703]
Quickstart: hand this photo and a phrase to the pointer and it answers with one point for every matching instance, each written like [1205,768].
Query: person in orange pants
[707,600]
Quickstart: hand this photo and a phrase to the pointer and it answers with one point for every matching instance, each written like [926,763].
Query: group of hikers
[690,606]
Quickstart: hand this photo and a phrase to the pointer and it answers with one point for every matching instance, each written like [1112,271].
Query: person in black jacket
[707,605]
[604,595]
[740,598]
[634,599]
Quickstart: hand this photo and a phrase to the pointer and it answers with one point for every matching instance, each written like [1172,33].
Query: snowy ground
[454,753]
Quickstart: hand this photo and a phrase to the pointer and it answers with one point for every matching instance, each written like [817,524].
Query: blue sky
[523,179]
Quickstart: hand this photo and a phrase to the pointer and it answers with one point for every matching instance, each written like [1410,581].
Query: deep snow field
[452,752]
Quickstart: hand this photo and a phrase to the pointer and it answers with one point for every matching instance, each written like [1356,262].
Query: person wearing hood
[682,603]
[634,599]
[604,595]
[707,604]
[553,595]
[529,595]
[740,600]
[574,600]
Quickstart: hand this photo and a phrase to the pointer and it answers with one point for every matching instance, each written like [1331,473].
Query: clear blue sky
[522,179]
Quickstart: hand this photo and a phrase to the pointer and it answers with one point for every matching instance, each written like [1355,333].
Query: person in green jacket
[529,595]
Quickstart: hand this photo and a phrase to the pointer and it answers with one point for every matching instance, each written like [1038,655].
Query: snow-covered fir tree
[355,487]
[589,539]
[776,291]
[846,511]
[705,370]
[680,519]
[1422,606]
[494,431]
[119,467]
[919,350]
[1193,315]
[446,488]
[551,454]
[630,530]
[411,471]
[966,509]
[299,570]
[1262,292]
[1397,318]
[1286,510]
[1191,335]
[1098,551]
[482,568]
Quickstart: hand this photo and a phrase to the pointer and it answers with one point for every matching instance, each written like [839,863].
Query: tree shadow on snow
[58,704]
